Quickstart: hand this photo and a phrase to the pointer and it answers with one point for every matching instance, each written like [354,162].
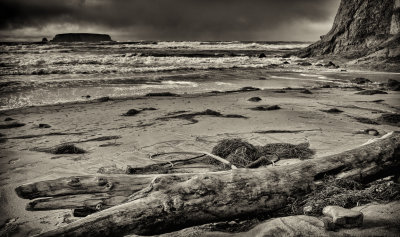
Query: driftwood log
[172,202]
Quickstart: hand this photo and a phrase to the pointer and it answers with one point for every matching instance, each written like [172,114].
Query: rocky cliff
[361,28]
[81,37]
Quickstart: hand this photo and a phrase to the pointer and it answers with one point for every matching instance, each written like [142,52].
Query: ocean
[38,74]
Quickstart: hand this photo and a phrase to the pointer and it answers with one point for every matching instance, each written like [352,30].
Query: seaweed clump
[372,92]
[191,116]
[391,119]
[266,108]
[332,111]
[243,154]
[287,151]
[236,151]
[131,112]
[159,94]
[11,125]
[255,99]
[66,148]
[346,193]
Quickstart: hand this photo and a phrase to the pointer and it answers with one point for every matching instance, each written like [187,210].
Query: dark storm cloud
[169,19]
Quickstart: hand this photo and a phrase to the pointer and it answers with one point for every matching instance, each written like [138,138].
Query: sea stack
[362,28]
[81,37]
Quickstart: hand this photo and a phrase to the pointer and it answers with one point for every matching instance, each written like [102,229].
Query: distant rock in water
[81,37]
[362,28]
[44,40]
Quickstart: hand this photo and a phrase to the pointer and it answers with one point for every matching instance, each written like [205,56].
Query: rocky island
[81,37]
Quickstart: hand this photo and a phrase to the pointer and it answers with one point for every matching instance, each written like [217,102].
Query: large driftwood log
[172,202]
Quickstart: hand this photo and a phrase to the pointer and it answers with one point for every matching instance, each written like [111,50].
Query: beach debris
[393,85]
[369,131]
[344,217]
[286,62]
[191,116]
[365,120]
[131,112]
[346,193]
[103,99]
[236,151]
[8,119]
[360,80]
[44,125]
[391,119]
[305,64]
[244,154]
[319,65]
[262,55]
[110,144]
[148,109]
[333,111]
[161,94]
[280,91]
[100,139]
[11,125]
[377,101]
[326,86]
[371,92]
[287,151]
[65,148]
[255,99]
[266,108]
[306,91]
[86,96]
[284,131]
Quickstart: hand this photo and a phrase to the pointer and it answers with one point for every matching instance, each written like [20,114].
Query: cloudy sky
[124,20]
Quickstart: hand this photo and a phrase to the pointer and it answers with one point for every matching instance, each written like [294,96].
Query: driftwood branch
[172,202]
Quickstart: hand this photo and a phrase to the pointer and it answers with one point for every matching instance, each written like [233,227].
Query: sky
[132,20]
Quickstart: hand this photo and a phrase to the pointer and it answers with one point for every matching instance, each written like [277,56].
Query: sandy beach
[302,117]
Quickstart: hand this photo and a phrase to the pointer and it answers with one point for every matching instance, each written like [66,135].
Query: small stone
[262,55]
[344,217]
[372,132]
[307,210]
[43,125]
[255,99]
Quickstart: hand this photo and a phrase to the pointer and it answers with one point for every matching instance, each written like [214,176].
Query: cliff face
[361,28]
[81,37]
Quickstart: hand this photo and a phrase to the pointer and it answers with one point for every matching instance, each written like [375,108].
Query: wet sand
[148,133]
